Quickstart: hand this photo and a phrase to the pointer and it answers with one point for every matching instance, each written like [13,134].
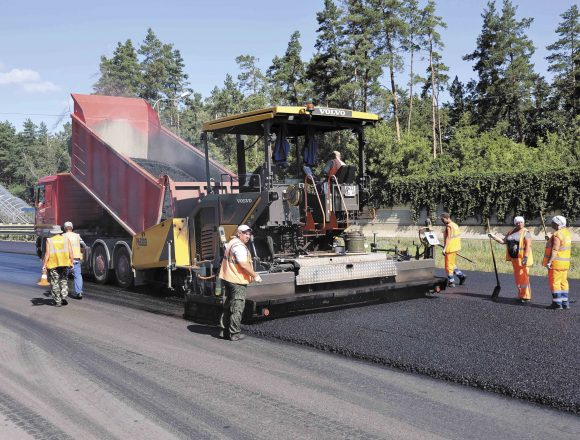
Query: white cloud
[29,80]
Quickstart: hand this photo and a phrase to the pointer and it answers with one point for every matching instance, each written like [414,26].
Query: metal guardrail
[16,229]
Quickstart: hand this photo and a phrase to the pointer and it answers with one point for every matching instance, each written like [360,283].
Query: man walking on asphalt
[236,271]
[451,245]
[58,258]
[557,261]
[77,243]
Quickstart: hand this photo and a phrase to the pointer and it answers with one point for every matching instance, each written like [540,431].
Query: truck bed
[120,153]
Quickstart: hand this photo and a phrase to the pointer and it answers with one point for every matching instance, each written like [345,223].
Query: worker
[78,247]
[557,260]
[518,243]
[333,164]
[451,246]
[58,258]
[236,271]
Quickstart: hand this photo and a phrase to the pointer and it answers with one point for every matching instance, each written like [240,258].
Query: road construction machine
[154,209]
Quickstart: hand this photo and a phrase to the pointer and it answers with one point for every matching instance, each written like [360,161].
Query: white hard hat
[559,220]
[68,225]
[244,228]
[518,219]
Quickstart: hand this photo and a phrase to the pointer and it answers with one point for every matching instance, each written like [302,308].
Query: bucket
[355,242]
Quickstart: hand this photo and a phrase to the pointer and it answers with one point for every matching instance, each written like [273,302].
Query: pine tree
[390,31]
[565,63]
[287,75]
[437,78]
[506,76]
[361,54]
[411,43]
[457,106]
[326,70]
[153,67]
[252,82]
[120,75]
[9,155]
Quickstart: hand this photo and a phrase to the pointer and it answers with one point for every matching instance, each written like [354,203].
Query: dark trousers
[235,301]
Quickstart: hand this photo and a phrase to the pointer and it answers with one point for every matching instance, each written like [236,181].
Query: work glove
[549,265]
[258,279]
[525,261]
[443,253]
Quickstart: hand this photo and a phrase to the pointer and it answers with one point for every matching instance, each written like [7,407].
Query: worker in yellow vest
[236,272]
[451,246]
[557,260]
[518,243]
[58,257]
[78,246]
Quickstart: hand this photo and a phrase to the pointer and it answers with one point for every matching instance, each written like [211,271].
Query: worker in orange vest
[58,258]
[518,243]
[557,260]
[451,246]
[236,272]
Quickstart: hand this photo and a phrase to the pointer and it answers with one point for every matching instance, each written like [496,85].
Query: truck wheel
[123,271]
[100,264]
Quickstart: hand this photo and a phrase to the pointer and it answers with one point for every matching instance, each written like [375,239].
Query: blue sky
[51,49]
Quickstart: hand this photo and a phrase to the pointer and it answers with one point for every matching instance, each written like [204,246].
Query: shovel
[495,293]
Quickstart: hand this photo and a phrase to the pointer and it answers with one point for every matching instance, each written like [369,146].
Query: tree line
[382,56]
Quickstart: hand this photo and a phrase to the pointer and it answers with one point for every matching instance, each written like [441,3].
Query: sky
[49,50]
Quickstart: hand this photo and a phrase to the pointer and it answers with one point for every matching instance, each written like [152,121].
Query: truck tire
[123,270]
[100,264]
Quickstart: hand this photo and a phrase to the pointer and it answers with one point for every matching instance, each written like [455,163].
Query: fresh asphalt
[526,352]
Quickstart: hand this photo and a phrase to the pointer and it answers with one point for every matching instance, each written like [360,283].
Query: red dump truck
[128,174]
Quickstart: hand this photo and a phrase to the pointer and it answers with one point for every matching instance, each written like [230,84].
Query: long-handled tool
[495,293]
[459,255]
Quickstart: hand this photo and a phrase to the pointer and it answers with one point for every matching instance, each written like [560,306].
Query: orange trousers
[558,280]
[521,275]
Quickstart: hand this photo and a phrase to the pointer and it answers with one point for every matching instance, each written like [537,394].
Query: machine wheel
[100,266]
[123,271]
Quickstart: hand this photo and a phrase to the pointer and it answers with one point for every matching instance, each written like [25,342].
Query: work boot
[57,304]
[565,306]
[554,306]
[461,279]
[451,285]
[235,337]
[64,302]
[79,296]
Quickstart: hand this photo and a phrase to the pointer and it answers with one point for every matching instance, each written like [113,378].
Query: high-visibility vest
[75,241]
[562,260]
[58,255]
[453,241]
[521,249]
[230,269]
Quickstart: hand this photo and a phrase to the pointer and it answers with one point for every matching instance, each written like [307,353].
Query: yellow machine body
[156,246]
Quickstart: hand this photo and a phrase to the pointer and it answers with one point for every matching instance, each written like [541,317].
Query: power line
[29,114]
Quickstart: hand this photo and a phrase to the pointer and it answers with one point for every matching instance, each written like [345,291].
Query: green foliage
[564,61]
[481,194]
[120,75]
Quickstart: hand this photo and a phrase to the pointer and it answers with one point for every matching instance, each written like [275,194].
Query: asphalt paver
[523,351]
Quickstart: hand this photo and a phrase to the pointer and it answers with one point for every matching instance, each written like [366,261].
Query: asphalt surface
[107,368]
[526,352]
